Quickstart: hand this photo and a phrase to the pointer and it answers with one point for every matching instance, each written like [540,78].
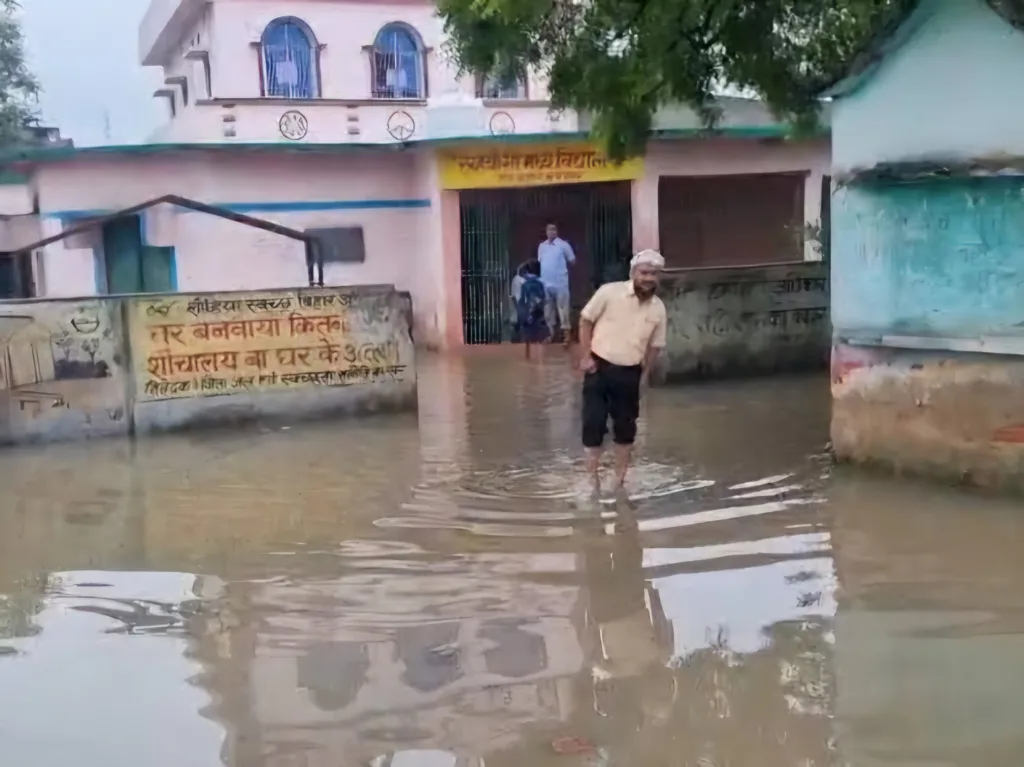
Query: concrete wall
[928,308]
[923,102]
[746,320]
[939,259]
[64,370]
[84,368]
[950,415]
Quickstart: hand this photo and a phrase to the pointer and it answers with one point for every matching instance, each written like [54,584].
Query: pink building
[343,116]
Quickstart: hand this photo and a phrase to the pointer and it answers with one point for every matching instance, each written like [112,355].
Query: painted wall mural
[217,344]
[111,366]
[60,368]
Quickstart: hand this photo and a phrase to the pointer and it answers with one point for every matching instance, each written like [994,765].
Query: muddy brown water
[425,591]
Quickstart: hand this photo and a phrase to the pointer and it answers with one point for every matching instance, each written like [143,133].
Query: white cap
[647,258]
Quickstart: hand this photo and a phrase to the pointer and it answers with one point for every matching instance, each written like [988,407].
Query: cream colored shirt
[629,645]
[624,326]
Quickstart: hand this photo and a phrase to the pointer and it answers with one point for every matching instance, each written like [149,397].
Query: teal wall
[943,258]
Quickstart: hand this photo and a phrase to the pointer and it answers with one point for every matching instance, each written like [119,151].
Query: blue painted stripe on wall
[252,207]
[268,207]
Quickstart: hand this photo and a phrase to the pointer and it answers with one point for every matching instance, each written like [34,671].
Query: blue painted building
[928,246]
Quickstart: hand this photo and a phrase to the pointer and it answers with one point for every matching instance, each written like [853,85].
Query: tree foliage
[19,89]
[619,60]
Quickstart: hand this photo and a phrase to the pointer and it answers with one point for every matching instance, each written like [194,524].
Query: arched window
[502,87]
[397,60]
[290,52]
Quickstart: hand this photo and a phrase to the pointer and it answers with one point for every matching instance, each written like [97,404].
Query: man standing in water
[622,330]
[555,255]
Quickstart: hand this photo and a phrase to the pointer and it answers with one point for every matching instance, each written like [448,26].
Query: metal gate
[501,229]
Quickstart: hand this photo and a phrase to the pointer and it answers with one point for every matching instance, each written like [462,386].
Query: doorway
[501,228]
[131,266]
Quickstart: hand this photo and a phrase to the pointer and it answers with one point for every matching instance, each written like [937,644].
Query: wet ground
[404,592]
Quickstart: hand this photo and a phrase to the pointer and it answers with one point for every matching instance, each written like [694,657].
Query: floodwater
[403,592]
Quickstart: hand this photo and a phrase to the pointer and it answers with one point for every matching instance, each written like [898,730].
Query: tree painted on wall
[91,346]
[65,343]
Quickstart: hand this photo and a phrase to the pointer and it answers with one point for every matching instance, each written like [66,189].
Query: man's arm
[570,256]
[655,346]
[588,317]
[586,336]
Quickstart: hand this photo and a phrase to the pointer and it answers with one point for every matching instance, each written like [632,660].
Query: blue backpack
[531,299]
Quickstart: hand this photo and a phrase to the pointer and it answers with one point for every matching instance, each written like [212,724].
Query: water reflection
[409,593]
[104,680]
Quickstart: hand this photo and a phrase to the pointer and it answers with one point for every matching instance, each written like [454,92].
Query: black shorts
[611,391]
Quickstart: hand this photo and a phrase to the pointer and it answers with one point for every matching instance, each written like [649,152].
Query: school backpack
[531,298]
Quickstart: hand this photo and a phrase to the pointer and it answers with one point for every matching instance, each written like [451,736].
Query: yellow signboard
[196,346]
[490,166]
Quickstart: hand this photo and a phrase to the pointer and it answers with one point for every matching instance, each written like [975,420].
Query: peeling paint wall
[949,415]
[80,369]
[928,315]
[937,258]
[746,320]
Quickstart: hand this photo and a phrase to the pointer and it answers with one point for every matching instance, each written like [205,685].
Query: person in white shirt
[555,255]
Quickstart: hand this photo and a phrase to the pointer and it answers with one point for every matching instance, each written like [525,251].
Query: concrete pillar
[451,270]
[644,203]
[436,272]
[812,212]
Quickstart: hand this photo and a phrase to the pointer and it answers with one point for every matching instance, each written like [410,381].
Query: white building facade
[343,71]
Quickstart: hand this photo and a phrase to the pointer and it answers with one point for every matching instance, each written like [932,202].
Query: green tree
[620,60]
[19,89]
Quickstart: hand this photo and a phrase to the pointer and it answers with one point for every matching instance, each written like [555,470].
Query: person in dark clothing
[533,328]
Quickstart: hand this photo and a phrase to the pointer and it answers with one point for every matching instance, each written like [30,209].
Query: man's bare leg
[623,453]
[592,459]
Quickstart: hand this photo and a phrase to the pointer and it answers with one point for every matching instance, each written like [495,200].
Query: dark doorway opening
[16,275]
[501,228]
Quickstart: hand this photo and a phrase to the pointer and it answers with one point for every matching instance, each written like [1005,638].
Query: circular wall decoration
[401,126]
[293,125]
[502,124]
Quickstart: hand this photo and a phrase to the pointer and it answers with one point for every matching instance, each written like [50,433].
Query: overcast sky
[84,53]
